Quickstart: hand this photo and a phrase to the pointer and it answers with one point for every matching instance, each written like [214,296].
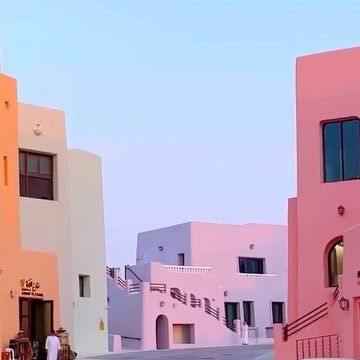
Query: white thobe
[52,345]
[245,334]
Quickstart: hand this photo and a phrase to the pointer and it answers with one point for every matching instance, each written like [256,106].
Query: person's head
[244,323]
[52,332]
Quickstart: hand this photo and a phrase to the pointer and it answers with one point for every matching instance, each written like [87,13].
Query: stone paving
[251,352]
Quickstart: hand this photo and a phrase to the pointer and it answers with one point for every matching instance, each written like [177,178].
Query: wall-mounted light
[252,246]
[37,130]
[12,293]
[226,293]
[160,248]
[341,210]
[162,303]
[344,304]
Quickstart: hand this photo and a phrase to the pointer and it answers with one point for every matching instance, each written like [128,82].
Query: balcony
[189,269]
[258,276]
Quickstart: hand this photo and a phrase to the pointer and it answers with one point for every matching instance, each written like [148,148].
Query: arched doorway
[335,261]
[162,332]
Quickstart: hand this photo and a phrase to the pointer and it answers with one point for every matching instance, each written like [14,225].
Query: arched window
[335,262]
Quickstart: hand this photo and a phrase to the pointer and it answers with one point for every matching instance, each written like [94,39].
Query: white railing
[189,269]
[247,275]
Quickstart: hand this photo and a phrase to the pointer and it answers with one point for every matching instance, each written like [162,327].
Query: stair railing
[305,320]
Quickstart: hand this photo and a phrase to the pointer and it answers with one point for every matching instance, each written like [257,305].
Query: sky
[190,103]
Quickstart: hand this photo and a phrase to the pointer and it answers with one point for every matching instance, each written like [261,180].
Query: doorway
[36,320]
[162,332]
[231,312]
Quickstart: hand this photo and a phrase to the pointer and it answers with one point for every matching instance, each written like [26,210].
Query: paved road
[251,352]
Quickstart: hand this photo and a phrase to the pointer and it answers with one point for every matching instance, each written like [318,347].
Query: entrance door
[36,320]
[231,312]
[162,332]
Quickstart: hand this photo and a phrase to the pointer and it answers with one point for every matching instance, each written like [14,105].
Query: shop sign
[30,287]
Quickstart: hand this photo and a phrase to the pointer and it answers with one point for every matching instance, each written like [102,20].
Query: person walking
[245,330]
[52,346]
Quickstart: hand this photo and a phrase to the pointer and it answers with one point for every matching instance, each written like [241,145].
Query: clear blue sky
[190,103]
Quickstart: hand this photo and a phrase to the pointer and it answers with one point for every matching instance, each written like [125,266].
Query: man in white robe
[245,330]
[52,346]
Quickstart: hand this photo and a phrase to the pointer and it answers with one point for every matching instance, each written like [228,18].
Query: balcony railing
[259,276]
[189,269]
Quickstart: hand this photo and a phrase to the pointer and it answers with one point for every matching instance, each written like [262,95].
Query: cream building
[61,212]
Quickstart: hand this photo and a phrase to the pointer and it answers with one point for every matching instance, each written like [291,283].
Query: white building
[61,212]
[195,282]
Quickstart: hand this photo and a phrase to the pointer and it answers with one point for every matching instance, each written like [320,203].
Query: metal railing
[326,346]
[177,295]
[336,293]
[194,302]
[158,287]
[211,311]
[121,282]
[133,288]
[229,324]
[110,272]
[128,268]
[305,320]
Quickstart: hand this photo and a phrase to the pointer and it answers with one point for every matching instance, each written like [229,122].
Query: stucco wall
[125,312]
[173,240]
[44,224]
[327,88]
[88,250]
[218,247]
[16,264]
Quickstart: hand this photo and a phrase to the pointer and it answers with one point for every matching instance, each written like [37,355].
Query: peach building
[194,283]
[52,229]
[324,231]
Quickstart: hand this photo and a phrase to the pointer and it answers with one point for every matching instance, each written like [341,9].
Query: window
[251,265]
[248,308]
[181,259]
[183,334]
[84,285]
[335,262]
[36,175]
[341,150]
[277,312]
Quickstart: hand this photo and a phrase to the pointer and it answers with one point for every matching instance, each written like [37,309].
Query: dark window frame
[341,121]
[84,286]
[281,305]
[249,312]
[260,260]
[25,174]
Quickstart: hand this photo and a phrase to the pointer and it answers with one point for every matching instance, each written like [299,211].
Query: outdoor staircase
[174,293]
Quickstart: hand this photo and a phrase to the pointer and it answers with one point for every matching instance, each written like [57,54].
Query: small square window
[84,286]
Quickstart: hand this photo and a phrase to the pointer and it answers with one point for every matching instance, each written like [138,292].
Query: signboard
[30,287]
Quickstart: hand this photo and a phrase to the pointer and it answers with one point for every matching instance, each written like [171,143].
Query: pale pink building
[194,283]
[324,231]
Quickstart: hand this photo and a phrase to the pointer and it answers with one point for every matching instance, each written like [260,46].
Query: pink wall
[327,87]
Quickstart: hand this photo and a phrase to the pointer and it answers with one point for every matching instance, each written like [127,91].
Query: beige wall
[44,224]
[71,226]
[88,250]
